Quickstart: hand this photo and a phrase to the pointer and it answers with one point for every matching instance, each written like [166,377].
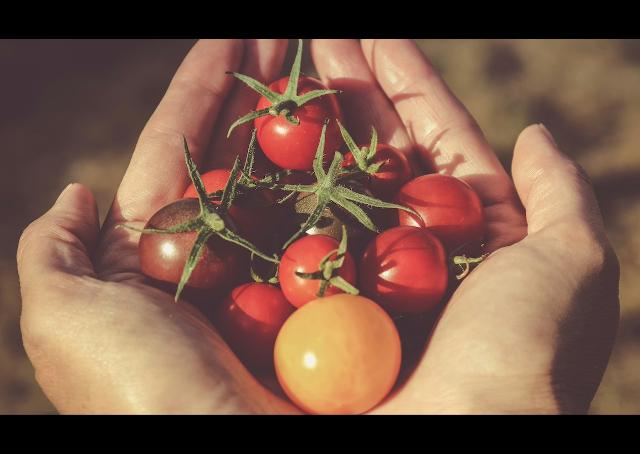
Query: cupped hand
[529,330]
[102,341]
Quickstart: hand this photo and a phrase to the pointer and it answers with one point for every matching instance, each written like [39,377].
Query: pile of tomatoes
[309,265]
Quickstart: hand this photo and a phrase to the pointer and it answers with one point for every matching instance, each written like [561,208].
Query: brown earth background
[71,110]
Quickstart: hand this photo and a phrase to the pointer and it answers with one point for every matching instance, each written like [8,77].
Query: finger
[342,66]
[553,187]
[447,136]
[61,241]
[262,60]
[157,173]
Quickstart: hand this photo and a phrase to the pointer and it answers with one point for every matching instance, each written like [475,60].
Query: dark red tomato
[305,255]
[252,212]
[448,207]
[294,146]
[249,320]
[163,256]
[404,269]
[395,171]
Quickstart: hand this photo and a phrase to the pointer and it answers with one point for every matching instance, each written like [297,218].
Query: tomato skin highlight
[249,320]
[394,173]
[404,269]
[448,207]
[304,255]
[163,256]
[338,355]
[292,146]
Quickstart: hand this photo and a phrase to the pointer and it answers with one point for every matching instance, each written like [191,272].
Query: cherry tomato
[252,212]
[163,256]
[448,207]
[405,270]
[395,171]
[214,180]
[305,255]
[338,355]
[294,146]
[249,320]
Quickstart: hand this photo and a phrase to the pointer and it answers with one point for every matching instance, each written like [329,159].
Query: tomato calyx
[365,156]
[328,267]
[212,219]
[283,104]
[329,190]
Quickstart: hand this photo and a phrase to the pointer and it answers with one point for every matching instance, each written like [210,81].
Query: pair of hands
[529,331]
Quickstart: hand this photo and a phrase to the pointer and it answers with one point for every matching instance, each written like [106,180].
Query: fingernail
[65,190]
[548,134]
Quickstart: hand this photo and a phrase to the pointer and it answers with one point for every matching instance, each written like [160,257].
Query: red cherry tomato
[294,146]
[249,320]
[252,212]
[405,270]
[448,207]
[305,255]
[163,256]
[395,171]
[338,355]
[214,180]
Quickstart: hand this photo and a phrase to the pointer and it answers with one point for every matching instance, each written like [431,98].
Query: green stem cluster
[281,103]
[328,268]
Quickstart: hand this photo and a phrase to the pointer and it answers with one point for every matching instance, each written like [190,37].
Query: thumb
[553,188]
[61,240]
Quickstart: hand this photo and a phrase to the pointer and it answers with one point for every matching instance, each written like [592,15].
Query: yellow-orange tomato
[338,355]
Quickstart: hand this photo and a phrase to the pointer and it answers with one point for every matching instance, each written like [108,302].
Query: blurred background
[71,110]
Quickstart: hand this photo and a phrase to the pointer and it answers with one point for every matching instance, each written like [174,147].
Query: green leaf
[259,87]
[374,168]
[294,76]
[247,118]
[310,95]
[312,220]
[371,201]
[323,288]
[356,211]
[249,160]
[229,193]
[232,237]
[334,169]
[195,176]
[290,117]
[192,260]
[342,247]
[353,148]
[285,198]
[373,146]
[318,169]
[326,258]
[345,286]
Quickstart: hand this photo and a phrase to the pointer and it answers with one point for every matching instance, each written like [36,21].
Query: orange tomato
[338,355]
